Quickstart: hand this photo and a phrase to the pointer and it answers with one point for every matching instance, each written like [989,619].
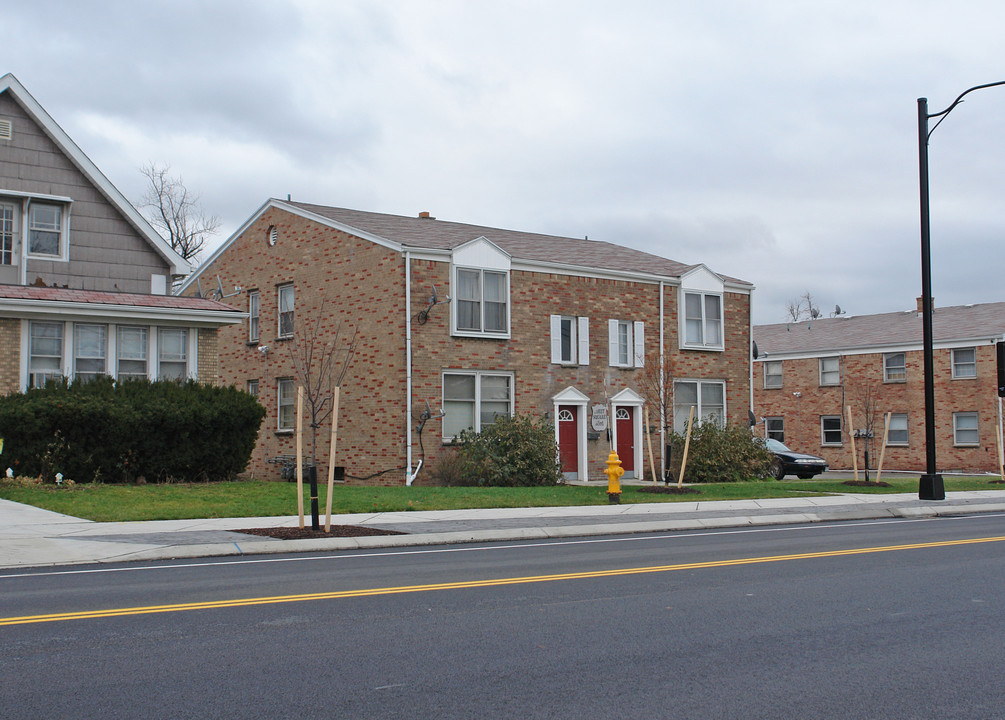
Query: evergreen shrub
[511,452]
[721,454]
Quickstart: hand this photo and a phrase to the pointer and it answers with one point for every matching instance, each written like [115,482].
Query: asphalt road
[887,619]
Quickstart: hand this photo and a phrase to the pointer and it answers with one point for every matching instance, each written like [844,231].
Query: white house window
[253,313]
[965,362]
[774,428]
[45,229]
[702,320]
[287,411]
[474,401]
[830,371]
[894,367]
[172,353]
[965,429]
[45,353]
[896,434]
[253,388]
[8,232]
[830,430]
[570,340]
[286,311]
[772,374]
[90,343]
[707,397]
[131,352]
[626,343]
[482,301]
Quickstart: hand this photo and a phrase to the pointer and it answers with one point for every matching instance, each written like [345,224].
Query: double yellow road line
[338,595]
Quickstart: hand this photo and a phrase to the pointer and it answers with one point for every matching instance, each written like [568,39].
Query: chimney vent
[921,305]
[424,215]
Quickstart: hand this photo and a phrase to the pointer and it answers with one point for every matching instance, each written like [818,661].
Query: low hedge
[110,431]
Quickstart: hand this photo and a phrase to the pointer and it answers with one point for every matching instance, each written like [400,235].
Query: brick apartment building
[84,279]
[475,321]
[807,374]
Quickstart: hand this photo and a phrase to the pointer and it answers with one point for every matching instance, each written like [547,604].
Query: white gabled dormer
[700,309]
[480,288]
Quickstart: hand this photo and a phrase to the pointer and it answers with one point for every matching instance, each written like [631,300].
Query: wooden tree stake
[851,434]
[649,442]
[687,445]
[331,462]
[882,450]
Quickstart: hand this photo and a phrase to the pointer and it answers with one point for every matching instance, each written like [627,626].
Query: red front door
[625,428]
[568,438]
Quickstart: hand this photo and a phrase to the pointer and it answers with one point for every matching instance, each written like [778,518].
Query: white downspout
[409,476]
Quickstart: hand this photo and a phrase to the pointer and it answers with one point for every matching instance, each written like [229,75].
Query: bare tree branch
[175,213]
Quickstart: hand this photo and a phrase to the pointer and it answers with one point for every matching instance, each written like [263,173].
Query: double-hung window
[774,428]
[830,429]
[894,367]
[286,310]
[45,230]
[570,340]
[90,343]
[896,433]
[830,371]
[45,353]
[965,362]
[965,429]
[482,301]
[626,343]
[702,320]
[172,353]
[772,374]
[707,397]
[287,412]
[253,315]
[131,351]
[8,232]
[474,400]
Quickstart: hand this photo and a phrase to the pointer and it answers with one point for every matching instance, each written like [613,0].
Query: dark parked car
[789,462]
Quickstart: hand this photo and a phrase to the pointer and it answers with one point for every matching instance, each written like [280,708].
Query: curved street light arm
[942,115]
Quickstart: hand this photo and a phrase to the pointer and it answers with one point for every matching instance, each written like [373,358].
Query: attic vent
[272,234]
[6,129]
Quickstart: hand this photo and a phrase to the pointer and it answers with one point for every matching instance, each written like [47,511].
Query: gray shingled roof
[105,297]
[435,234]
[949,324]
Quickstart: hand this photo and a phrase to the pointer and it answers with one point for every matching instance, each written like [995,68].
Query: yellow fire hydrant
[614,472]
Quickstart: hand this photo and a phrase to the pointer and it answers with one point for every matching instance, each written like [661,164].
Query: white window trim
[280,428]
[886,373]
[780,375]
[636,340]
[478,375]
[279,314]
[682,329]
[455,294]
[822,371]
[699,416]
[255,316]
[780,419]
[64,230]
[839,429]
[973,364]
[956,429]
[907,429]
[16,230]
[580,340]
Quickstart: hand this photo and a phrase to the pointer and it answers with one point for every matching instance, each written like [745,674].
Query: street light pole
[931,486]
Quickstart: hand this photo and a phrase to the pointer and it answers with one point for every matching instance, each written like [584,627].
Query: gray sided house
[84,278]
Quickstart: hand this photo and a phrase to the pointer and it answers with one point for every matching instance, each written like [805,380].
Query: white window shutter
[639,336]
[556,338]
[612,341]
[584,341]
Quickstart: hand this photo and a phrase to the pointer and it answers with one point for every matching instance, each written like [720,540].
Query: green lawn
[263,499]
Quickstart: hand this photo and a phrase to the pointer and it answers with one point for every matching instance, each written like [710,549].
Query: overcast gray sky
[773,141]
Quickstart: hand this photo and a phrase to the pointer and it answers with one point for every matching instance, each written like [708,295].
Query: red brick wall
[802,415]
[365,289]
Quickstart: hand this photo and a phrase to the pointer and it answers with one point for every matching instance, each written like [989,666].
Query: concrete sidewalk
[31,537]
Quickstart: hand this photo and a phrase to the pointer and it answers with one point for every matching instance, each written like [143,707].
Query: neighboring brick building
[807,374]
[84,279]
[477,321]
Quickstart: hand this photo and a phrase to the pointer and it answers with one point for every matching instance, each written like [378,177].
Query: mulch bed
[306,533]
[865,483]
[669,490]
